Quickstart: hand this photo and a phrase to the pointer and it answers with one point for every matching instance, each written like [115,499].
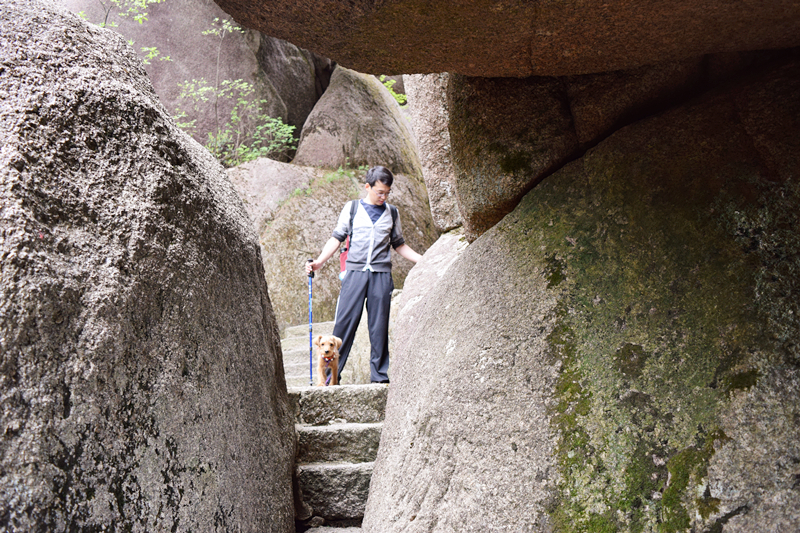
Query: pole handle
[311,275]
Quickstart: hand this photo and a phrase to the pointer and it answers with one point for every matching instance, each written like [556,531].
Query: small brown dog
[327,357]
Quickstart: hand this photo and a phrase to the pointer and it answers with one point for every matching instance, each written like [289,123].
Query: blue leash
[310,333]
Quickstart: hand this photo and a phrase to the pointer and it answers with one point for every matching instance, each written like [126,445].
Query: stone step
[338,443]
[321,328]
[296,357]
[335,491]
[324,529]
[319,406]
[298,369]
[295,343]
[296,364]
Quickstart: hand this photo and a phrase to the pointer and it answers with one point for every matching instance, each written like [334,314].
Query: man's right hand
[327,252]
[311,266]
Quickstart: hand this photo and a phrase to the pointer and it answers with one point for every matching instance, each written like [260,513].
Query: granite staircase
[338,432]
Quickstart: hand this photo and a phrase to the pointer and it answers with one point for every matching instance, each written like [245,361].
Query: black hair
[379,173]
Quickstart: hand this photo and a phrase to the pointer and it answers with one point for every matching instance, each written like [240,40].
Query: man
[369,270]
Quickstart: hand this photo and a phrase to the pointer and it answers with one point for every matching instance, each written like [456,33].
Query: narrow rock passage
[338,431]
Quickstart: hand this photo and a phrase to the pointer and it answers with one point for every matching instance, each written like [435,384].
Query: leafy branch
[129,8]
[248,132]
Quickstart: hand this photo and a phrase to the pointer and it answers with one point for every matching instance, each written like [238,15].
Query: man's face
[378,193]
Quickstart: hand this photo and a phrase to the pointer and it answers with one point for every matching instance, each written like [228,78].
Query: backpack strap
[346,243]
[393,211]
[353,209]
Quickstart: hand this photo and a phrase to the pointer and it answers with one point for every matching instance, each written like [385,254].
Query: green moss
[573,401]
[741,380]
[655,305]
[599,524]
[630,360]
[674,515]
[686,465]
[554,271]
[707,506]
[675,277]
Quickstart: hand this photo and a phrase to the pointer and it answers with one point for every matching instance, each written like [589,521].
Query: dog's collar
[327,359]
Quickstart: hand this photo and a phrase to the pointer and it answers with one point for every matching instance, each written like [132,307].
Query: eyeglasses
[381,194]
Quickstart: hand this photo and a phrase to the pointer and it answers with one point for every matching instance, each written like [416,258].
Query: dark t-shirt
[374,211]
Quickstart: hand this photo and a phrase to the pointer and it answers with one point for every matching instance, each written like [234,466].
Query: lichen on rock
[645,298]
[664,232]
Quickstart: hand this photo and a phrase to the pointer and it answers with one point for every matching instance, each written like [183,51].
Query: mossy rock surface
[620,352]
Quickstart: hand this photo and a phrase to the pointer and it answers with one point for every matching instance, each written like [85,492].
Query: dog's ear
[338,342]
[316,340]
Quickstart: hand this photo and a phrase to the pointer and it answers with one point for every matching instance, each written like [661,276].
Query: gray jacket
[369,243]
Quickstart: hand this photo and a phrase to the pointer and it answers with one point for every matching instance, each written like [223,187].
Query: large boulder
[620,353]
[505,135]
[429,115]
[358,123]
[142,386]
[423,278]
[299,77]
[518,38]
[264,184]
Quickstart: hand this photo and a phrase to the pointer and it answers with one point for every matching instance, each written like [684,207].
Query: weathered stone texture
[601,103]
[141,386]
[264,184]
[357,122]
[318,406]
[334,530]
[344,442]
[519,38]
[300,77]
[335,491]
[427,95]
[423,278]
[620,352]
[505,135]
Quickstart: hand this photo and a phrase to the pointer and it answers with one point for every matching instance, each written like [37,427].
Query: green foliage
[221,27]
[247,133]
[389,84]
[346,172]
[135,9]
[151,52]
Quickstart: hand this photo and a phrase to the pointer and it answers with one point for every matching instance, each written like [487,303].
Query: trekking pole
[310,332]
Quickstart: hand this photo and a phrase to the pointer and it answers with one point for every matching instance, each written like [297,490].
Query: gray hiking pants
[376,288]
